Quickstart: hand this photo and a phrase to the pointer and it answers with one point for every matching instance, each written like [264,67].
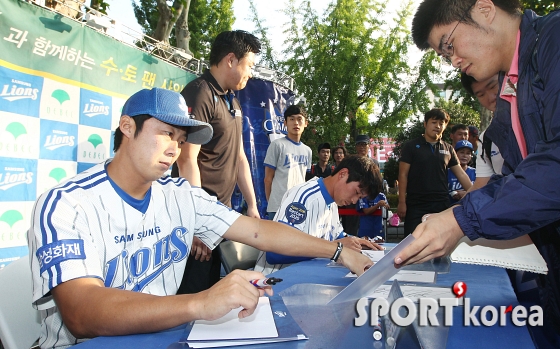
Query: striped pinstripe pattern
[321,221]
[124,246]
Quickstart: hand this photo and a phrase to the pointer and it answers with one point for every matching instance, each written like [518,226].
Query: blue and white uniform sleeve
[213,218]
[61,247]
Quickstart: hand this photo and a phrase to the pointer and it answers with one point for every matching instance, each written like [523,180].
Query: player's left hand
[357,244]
[368,244]
[200,251]
[437,236]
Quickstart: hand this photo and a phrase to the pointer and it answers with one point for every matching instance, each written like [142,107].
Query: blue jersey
[454,184]
[371,225]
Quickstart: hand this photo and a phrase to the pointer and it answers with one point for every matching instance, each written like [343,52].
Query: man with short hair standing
[423,172]
[322,168]
[287,159]
[221,163]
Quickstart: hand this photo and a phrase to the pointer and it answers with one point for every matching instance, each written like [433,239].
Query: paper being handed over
[373,277]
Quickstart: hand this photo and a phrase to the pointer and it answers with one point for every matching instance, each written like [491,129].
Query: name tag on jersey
[236,112]
[443,151]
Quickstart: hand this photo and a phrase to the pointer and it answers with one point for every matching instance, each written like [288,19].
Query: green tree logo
[95,140]
[16,129]
[61,96]
[11,217]
[58,174]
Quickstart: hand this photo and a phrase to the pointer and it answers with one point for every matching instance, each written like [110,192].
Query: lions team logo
[296,213]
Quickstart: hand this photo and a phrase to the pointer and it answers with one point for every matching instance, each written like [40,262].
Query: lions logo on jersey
[296,213]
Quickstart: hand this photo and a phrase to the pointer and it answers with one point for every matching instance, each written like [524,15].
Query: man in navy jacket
[483,38]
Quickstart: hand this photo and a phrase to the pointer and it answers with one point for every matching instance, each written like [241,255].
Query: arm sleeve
[199,98]
[272,153]
[60,244]
[289,200]
[528,198]
[406,153]
[212,218]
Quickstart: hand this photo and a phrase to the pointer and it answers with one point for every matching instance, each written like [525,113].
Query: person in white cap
[108,244]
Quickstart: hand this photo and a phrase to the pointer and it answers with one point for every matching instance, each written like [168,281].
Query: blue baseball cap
[170,107]
[463,144]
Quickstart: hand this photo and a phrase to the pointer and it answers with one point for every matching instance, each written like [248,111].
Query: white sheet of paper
[375,256]
[259,325]
[415,292]
[408,276]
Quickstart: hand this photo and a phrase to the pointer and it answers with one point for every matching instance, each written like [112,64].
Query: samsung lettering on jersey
[292,160]
[145,264]
[19,90]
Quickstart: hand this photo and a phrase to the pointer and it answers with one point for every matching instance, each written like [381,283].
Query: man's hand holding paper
[437,236]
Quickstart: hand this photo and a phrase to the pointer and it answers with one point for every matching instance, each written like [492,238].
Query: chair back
[20,323]
[236,255]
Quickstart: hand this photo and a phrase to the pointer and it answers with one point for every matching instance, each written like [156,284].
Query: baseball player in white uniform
[106,244]
[312,207]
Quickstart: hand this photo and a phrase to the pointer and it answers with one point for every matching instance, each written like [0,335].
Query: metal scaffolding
[77,10]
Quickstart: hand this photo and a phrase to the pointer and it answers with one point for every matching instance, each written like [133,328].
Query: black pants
[415,211]
[200,276]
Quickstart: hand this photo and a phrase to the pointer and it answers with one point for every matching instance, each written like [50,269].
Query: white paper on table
[408,276]
[374,255]
[259,325]
[415,292]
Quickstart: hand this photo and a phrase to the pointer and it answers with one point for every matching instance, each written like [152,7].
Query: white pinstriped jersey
[89,227]
[290,161]
[309,208]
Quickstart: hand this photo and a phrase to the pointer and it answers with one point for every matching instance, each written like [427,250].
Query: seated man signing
[109,246]
[312,207]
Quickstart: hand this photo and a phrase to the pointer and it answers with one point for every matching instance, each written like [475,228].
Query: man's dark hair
[238,41]
[362,169]
[457,127]
[432,13]
[438,114]
[139,121]
[467,81]
[295,109]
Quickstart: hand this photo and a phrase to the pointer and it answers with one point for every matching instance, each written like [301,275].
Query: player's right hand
[233,291]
